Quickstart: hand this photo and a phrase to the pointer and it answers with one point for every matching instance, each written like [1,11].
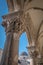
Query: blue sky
[23,42]
[3,11]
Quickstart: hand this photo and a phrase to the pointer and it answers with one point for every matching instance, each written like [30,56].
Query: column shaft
[5,55]
[13,55]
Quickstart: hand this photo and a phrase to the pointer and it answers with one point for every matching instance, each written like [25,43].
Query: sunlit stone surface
[24,16]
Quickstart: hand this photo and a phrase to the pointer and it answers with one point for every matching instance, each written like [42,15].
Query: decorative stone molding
[29,26]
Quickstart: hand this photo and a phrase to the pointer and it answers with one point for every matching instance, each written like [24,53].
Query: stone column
[10,53]
[13,55]
[5,55]
[33,52]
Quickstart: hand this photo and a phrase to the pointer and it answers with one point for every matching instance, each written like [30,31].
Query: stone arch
[28,34]
[39,30]
[29,26]
[38,35]
[39,39]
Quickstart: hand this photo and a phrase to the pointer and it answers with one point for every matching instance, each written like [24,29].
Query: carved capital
[32,50]
[6,25]
[15,25]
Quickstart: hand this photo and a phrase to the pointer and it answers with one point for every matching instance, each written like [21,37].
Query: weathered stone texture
[25,17]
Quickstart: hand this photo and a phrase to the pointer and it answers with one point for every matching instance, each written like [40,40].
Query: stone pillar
[5,55]
[10,53]
[6,49]
[13,55]
[33,53]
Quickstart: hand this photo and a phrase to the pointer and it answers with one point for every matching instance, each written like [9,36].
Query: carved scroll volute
[4,24]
